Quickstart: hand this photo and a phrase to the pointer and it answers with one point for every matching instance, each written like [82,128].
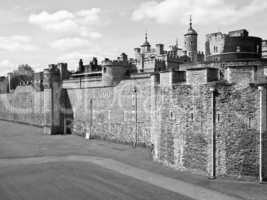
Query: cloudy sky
[39,32]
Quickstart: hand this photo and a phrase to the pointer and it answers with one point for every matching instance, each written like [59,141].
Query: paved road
[180,188]
[35,166]
[71,180]
[74,181]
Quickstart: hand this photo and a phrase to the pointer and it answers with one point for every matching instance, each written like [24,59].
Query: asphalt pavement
[37,166]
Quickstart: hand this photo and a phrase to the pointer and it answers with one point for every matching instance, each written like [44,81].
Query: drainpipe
[261,88]
[213,134]
[88,134]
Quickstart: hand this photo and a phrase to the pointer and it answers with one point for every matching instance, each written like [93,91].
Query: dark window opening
[192,116]
[218,117]
[250,122]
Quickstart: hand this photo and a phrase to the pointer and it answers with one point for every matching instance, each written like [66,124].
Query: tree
[24,74]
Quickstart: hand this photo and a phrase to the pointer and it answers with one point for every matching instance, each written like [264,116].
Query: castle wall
[34,107]
[237,130]
[24,105]
[180,121]
[264,48]
[182,129]
[196,77]
[110,112]
[221,47]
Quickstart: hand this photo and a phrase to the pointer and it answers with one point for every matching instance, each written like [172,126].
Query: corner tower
[190,42]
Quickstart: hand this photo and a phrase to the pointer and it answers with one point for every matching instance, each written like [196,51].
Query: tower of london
[202,112]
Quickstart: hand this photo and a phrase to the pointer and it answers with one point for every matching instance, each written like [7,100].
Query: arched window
[105,70]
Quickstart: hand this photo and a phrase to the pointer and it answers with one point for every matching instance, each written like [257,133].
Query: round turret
[145,46]
[190,43]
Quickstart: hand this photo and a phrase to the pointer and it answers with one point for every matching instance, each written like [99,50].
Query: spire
[190,22]
[190,30]
[146,43]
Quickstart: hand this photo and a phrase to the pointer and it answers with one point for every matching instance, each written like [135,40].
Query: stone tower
[146,46]
[190,42]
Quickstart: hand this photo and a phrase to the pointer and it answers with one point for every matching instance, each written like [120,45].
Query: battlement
[239,33]
[236,45]
[115,63]
[172,55]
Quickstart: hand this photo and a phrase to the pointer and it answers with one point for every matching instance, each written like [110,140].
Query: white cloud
[204,11]
[63,21]
[76,55]
[70,43]
[5,63]
[95,35]
[89,16]
[16,43]
[6,66]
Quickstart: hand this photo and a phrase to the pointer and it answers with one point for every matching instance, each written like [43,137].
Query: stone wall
[178,121]
[182,130]
[237,131]
[221,47]
[25,105]
[110,112]
[183,126]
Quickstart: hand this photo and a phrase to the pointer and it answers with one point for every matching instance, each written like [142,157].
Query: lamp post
[88,135]
[136,133]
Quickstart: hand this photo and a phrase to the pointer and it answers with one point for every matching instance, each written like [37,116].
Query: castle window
[215,49]
[133,100]
[105,69]
[172,116]
[250,122]
[192,116]
[238,49]
[218,117]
